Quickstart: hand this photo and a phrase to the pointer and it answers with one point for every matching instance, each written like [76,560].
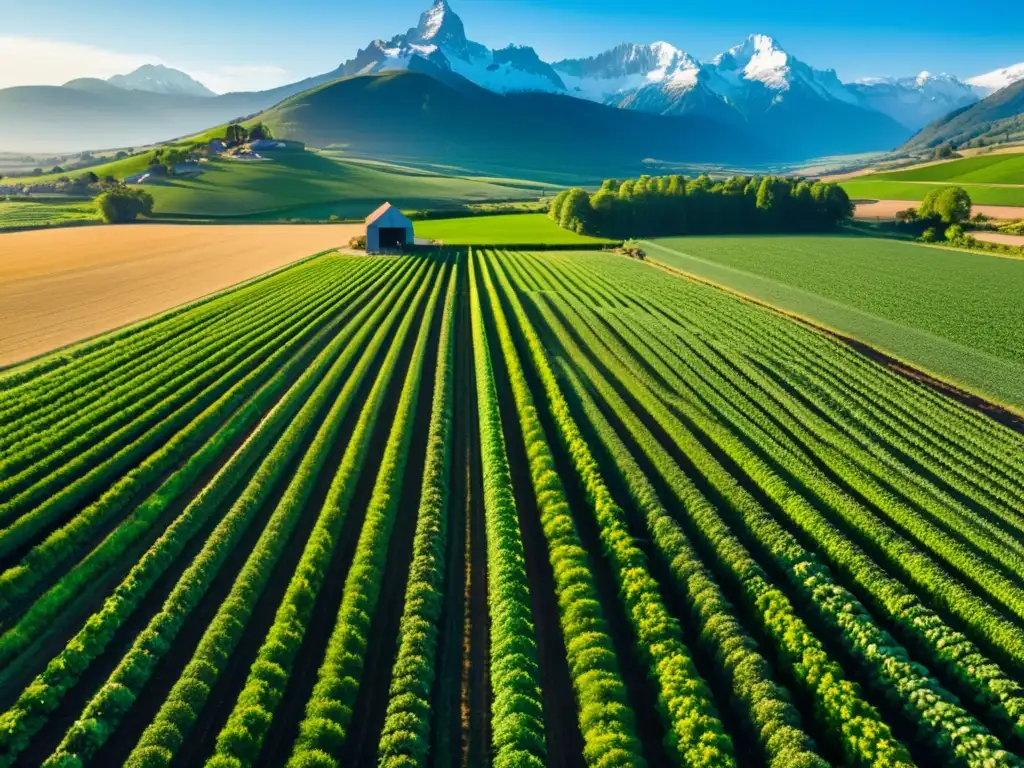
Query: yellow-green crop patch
[508,229]
[27,215]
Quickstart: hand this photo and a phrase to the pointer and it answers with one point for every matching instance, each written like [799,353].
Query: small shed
[388,229]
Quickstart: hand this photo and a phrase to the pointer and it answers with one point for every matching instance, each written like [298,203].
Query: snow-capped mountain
[757,83]
[758,73]
[999,79]
[916,101]
[747,79]
[156,78]
[439,43]
[614,75]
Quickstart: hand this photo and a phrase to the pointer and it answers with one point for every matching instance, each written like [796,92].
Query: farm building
[388,229]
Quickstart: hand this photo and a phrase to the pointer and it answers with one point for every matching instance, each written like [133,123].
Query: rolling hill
[407,115]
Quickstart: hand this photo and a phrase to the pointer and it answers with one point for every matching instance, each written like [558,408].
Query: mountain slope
[411,115]
[94,114]
[916,101]
[156,78]
[999,117]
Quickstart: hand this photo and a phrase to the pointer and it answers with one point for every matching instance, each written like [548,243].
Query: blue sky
[266,43]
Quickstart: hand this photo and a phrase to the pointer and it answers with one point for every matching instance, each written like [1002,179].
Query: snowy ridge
[757,80]
[1001,78]
[918,100]
[439,39]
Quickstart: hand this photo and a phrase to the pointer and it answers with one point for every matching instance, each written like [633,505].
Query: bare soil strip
[60,286]
[1000,237]
[1004,415]
[886,210]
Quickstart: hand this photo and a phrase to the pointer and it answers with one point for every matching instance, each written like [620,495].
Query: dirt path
[64,285]
[887,209]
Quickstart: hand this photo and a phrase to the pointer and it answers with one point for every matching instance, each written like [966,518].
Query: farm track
[490,507]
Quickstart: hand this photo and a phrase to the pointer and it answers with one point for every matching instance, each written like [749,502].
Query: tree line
[652,206]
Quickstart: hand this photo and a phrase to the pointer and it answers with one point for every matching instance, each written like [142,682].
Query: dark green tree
[122,204]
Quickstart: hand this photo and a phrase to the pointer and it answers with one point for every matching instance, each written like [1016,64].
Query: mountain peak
[156,78]
[760,58]
[440,25]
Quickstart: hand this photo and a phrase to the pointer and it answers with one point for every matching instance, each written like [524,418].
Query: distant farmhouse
[388,229]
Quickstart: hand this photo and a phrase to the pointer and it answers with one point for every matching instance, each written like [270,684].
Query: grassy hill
[408,115]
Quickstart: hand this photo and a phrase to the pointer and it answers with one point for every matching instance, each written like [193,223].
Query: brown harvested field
[999,237]
[886,209]
[63,285]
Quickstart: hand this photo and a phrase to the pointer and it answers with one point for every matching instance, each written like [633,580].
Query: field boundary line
[1007,415]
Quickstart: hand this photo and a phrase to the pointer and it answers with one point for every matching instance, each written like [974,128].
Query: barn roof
[379,213]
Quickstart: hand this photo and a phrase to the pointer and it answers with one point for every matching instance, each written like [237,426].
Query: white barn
[388,229]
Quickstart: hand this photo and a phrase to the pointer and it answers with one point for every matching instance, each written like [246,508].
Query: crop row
[772,718]
[938,710]
[297,414]
[517,717]
[607,721]
[405,738]
[184,704]
[697,734]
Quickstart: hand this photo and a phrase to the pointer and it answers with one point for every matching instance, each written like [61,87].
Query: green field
[511,229]
[1005,168]
[26,215]
[955,314]
[913,191]
[310,185]
[499,508]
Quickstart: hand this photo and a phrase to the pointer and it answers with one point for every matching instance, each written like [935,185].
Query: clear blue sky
[297,38]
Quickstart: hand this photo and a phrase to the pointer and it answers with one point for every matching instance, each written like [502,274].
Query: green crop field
[26,215]
[506,229]
[914,191]
[951,313]
[982,169]
[489,507]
